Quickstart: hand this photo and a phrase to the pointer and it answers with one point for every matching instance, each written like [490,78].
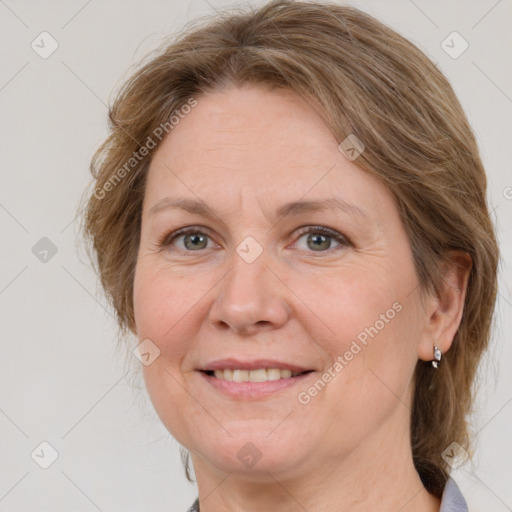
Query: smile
[265,382]
[258,375]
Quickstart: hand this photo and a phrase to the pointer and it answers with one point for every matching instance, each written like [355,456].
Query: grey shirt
[452,500]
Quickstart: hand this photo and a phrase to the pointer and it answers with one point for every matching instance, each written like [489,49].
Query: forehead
[249,125]
[252,141]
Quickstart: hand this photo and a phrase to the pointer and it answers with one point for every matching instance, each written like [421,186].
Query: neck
[379,474]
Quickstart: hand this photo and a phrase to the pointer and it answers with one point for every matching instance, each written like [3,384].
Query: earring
[437,356]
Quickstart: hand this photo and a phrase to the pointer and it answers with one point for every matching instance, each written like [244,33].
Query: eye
[319,238]
[194,239]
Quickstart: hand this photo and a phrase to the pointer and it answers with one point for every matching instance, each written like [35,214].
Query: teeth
[259,375]
[273,374]
[240,375]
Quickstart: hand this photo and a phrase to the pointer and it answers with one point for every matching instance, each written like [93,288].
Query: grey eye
[320,239]
[193,239]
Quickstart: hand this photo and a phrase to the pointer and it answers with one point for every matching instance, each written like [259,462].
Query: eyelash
[168,239]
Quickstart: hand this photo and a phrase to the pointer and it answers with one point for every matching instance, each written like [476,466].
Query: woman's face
[260,285]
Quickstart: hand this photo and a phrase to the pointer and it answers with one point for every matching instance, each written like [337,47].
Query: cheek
[351,304]
[372,326]
[161,302]
[163,308]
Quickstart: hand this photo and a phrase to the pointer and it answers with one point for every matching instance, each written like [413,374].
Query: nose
[250,298]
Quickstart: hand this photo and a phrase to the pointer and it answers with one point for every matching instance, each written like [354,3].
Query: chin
[253,456]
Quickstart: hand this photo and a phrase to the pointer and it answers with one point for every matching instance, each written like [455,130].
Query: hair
[365,79]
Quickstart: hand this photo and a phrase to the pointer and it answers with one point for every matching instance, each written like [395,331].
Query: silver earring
[437,356]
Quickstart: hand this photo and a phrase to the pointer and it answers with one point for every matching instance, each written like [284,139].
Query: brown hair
[367,80]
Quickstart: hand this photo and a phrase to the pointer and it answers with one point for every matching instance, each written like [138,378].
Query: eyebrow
[293,208]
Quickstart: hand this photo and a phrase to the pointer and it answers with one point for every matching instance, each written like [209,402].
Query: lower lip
[253,389]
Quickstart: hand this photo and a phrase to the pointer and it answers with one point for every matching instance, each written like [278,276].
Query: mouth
[256,375]
[252,379]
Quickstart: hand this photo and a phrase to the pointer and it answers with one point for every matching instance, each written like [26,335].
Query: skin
[244,152]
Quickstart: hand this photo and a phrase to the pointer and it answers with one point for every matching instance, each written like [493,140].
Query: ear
[444,311]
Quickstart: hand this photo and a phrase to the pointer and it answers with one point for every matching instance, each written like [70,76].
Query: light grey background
[61,380]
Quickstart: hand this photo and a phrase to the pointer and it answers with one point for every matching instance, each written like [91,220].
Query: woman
[289,214]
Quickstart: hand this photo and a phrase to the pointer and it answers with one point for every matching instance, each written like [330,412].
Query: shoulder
[452,500]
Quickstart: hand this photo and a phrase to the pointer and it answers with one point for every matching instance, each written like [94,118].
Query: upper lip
[255,364]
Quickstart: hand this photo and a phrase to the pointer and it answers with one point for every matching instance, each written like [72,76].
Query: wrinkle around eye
[338,240]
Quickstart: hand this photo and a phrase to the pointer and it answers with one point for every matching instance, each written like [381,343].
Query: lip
[255,364]
[252,390]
